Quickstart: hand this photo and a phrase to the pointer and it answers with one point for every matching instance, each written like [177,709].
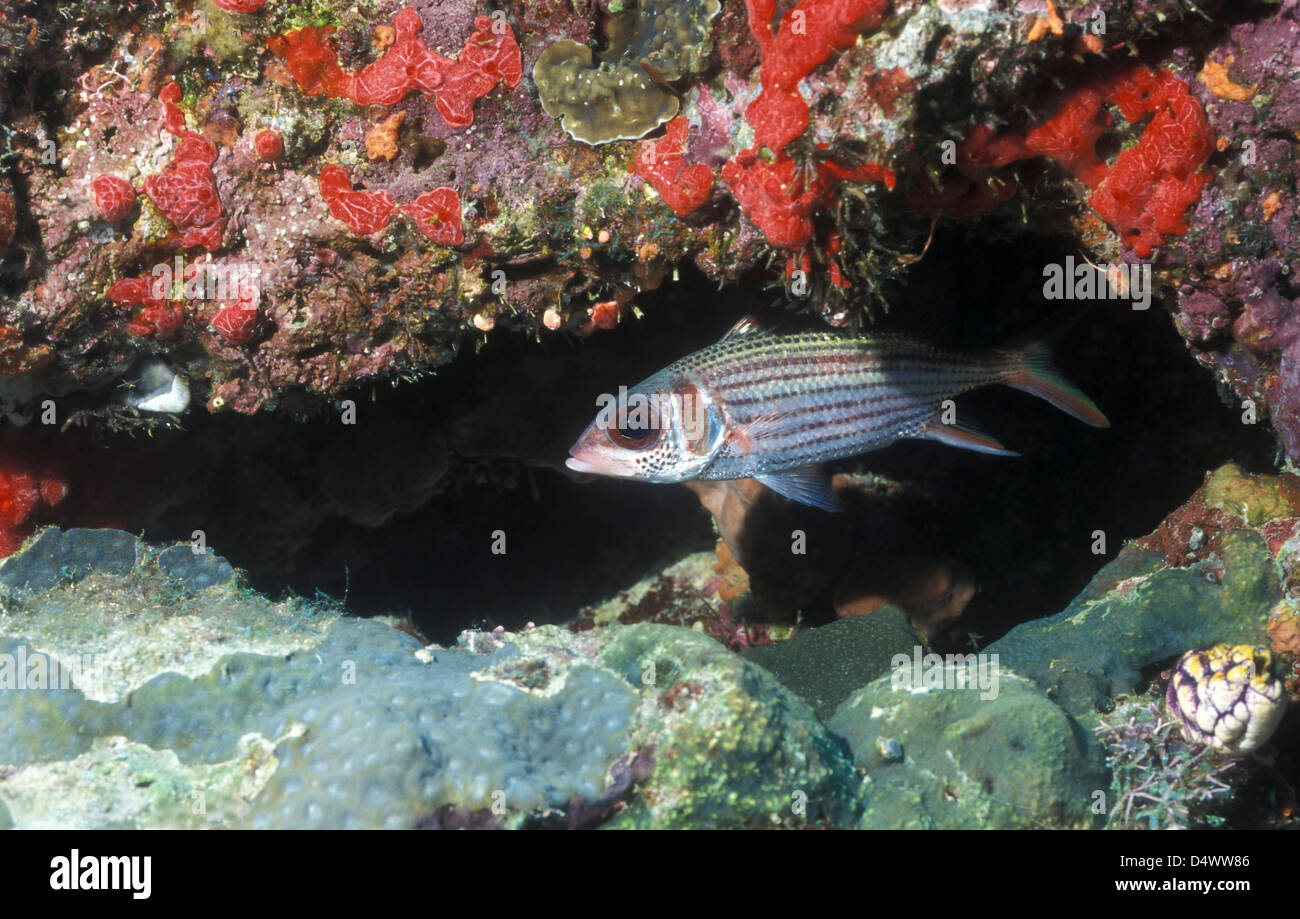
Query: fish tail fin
[1032,371]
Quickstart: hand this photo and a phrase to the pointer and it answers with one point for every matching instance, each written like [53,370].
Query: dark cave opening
[317,507]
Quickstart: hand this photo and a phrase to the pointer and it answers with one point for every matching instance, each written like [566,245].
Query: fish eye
[634,438]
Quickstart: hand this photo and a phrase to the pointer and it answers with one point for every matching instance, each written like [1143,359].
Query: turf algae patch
[120,784]
[950,759]
[826,664]
[60,557]
[733,747]
[119,611]
[1136,613]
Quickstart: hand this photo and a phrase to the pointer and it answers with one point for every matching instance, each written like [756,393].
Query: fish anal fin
[807,485]
[967,438]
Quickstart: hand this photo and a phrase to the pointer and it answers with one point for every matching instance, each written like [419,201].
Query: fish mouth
[593,462]
[583,458]
[580,465]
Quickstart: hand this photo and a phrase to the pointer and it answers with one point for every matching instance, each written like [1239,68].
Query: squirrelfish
[774,407]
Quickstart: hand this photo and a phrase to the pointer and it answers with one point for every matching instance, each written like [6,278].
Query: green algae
[1256,499]
[732,746]
[620,96]
[952,759]
[1137,613]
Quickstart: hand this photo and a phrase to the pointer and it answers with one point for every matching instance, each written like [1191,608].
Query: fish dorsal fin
[966,437]
[807,485]
[748,325]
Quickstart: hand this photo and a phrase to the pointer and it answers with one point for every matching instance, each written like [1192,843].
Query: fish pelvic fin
[1032,371]
[807,485]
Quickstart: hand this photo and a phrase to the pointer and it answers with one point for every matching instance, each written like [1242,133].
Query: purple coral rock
[1202,315]
[1267,323]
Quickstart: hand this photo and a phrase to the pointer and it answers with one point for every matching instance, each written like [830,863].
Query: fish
[776,407]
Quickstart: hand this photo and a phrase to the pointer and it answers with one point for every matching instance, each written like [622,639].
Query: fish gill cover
[310,298]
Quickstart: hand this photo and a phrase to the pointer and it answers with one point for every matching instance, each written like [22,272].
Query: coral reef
[116,654]
[298,211]
[954,758]
[518,726]
[805,117]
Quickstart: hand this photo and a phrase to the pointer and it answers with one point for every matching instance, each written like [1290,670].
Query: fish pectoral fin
[747,437]
[807,485]
[957,435]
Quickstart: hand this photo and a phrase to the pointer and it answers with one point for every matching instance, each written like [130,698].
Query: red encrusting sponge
[114,197]
[1143,195]
[186,192]
[489,55]
[662,163]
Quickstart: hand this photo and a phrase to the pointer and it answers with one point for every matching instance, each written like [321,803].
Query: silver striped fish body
[774,407]
[795,400]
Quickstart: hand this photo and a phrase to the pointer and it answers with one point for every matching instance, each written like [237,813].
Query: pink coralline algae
[240,6]
[186,191]
[491,54]
[1143,195]
[114,197]
[436,212]
[662,163]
